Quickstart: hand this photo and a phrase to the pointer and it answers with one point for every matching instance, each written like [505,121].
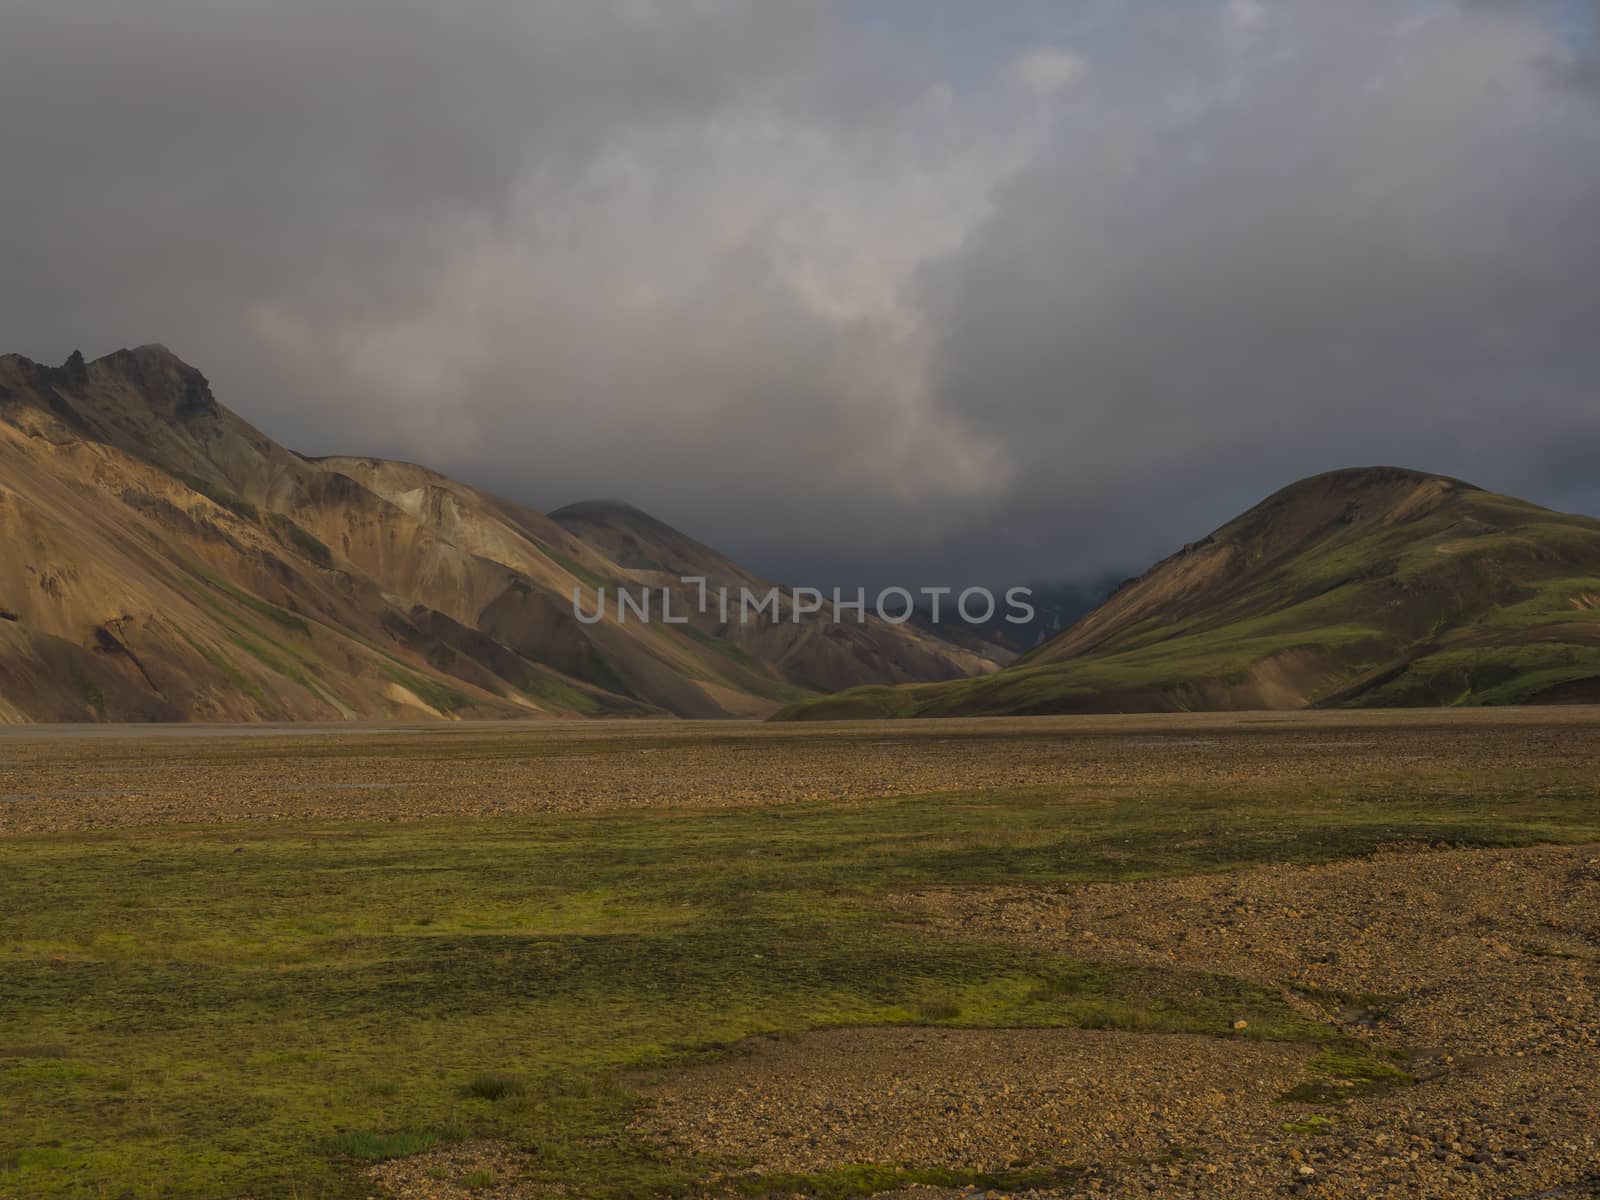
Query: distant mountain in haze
[1374,587]
[161,559]
[1056,604]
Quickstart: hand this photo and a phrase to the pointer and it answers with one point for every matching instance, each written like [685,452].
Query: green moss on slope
[1375,587]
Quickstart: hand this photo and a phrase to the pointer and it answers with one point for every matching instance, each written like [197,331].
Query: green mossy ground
[265,1010]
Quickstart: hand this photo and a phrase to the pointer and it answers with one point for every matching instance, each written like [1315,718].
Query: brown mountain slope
[634,539]
[161,559]
[814,651]
[1374,586]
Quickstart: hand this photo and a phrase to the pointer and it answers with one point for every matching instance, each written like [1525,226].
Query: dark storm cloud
[863,292]
[1380,244]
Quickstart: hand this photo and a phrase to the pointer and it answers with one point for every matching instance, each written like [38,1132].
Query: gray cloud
[1382,243]
[854,292]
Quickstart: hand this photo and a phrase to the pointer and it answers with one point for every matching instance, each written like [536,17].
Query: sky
[890,292]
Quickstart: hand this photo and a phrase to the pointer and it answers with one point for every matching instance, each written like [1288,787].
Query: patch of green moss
[252,602]
[217,494]
[721,646]
[92,695]
[1348,1070]
[545,685]
[306,544]
[218,660]
[572,566]
[1314,1124]
[864,1179]
[431,692]
[370,1145]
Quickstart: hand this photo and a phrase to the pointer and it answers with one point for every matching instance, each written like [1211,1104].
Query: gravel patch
[1465,952]
[481,1170]
[60,781]
[977,1100]
[1483,963]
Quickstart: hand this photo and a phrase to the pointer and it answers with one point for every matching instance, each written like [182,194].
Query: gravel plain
[58,780]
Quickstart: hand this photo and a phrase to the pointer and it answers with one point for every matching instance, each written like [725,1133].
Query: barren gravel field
[63,778]
[1337,955]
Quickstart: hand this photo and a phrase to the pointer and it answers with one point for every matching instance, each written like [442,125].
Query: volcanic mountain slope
[160,559]
[815,651]
[1375,587]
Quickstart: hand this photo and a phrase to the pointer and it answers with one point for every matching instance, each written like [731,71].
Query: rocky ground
[1466,952]
[1142,1114]
[1479,969]
[131,777]
[1482,966]
[980,1100]
[480,1170]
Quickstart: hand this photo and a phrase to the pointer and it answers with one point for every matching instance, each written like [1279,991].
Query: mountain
[1368,587]
[815,653]
[1056,604]
[161,559]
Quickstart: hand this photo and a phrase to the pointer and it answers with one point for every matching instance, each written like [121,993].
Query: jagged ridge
[162,559]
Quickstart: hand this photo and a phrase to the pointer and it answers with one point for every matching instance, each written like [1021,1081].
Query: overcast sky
[897,291]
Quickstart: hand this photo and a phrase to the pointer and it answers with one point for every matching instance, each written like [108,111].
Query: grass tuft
[868,1179]
[495,1085]
[375,1146]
